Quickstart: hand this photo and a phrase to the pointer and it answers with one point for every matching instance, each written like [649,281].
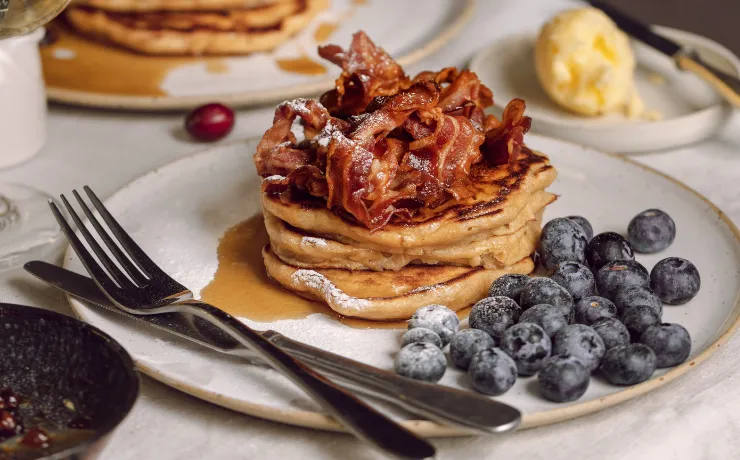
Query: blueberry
[438,318]
[628,364]
[421,361]
[563,379]
[639,318]
[620,274]
[671,343]
[581,342]
[591,309]
[651,231]
[492,372]
[675,280]
[545,316]
[508,286]
[632,296]
[562,240]
[494,315]
[464,344]
[585,225]
[528,345]
[421,335]
[545,290]
[606,247]
[576,278]
[612,331]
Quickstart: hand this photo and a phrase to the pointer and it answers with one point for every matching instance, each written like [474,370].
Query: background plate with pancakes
[176,54]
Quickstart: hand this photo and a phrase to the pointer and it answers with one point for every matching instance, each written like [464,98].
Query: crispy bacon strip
[355,166]
[367,71]
[381,146]
[277,153]
[504,142]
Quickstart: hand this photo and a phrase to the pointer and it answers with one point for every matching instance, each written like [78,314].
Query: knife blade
[685,58]
[463,409]
[638,29]
[85,289]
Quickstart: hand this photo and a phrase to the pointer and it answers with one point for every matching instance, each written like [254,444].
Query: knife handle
[727,85]
[443,404]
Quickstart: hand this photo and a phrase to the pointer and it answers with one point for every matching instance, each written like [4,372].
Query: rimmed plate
[178,213]
[691,110]
[129,81]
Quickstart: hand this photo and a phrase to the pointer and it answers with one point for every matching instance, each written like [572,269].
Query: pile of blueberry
[557,326]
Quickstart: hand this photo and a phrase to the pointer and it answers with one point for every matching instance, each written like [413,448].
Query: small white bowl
[22,99]
[691,109]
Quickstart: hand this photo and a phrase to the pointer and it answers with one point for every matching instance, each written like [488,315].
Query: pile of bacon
[382,145]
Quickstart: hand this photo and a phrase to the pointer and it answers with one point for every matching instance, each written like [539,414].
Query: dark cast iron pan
[67,373]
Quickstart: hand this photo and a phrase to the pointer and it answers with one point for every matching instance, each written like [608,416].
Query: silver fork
[148,290]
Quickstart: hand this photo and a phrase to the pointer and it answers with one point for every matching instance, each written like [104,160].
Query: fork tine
[114,249]
[113,270]
[129,245]
[92,267]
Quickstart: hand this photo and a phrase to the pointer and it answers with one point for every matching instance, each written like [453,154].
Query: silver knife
[463,409]
[685,58]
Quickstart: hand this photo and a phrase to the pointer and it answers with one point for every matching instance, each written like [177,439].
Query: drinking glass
[26,228]
[18,17]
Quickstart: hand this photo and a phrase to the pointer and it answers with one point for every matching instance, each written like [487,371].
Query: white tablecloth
[695,417]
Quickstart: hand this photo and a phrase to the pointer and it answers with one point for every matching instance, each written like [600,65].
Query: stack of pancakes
[450,258]
[391,193]
[193,27]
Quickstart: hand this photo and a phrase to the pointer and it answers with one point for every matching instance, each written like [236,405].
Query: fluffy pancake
[389,295]
[190,33]
[501,196]
[298,248]
[175,5]
[269,16]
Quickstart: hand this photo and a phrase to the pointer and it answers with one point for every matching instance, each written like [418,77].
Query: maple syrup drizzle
[324,31]
[242,288]
[117,70]
[216,66]
[303,65]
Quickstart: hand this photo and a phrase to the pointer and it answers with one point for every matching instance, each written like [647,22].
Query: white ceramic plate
[177,214]
[691,109]
[251,79]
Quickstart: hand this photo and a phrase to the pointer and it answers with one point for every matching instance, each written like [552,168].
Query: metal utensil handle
[727,85]
[4,5]
[443,404]
[362,420]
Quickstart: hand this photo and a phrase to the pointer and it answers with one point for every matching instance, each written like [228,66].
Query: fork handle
[440,403]
[362,420]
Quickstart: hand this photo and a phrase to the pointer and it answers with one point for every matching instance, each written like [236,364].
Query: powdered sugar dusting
[274,178]
[315,280]
[313,241]
[324,137]
[298,130]
[297,105]
[419,163]
[433,287]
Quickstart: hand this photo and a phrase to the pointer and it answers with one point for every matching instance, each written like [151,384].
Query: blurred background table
[716,19]
[692,418]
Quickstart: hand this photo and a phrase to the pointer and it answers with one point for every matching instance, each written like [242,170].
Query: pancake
[266,17]
[389,295]
[188,33]
[296,247]
[501,194]
[175,5]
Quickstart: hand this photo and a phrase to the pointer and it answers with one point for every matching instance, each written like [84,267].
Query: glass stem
[8,210]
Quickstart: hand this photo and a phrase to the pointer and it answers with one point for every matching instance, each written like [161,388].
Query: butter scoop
[586,64]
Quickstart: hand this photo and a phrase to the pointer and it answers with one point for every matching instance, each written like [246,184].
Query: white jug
[22,99]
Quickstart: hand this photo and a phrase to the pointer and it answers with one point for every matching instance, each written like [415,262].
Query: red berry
[36,438]
[210,122]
